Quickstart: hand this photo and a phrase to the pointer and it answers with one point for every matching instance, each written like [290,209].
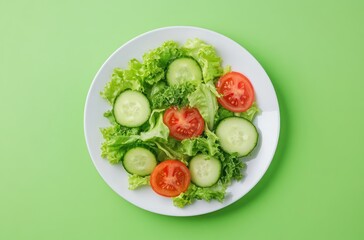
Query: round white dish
[267,122]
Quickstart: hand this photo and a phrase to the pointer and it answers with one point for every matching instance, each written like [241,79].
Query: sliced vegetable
[205,170]
[183,123]
[237,92]
[170,178]
[183,70]
[131,109]
[139,161]
[237,135]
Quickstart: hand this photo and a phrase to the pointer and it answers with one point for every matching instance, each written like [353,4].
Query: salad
[180,122]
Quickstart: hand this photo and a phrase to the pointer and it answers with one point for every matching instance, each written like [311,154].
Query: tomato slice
[170,178]
[183,123]
[237,92]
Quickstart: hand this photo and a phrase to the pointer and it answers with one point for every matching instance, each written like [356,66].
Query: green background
[313,52]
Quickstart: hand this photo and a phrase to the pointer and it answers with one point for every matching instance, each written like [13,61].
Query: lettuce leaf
[250,113]
[198,193]
[140,76]
[226,69]
[176,95]
[119,139]
[157,129]
[171,150]
[136,181]
[232,167]
[157,89]
[122,80]
[222,113]
[108,114]
[206,57]
[207,144]
[116,145]
[204,99]
[155,62]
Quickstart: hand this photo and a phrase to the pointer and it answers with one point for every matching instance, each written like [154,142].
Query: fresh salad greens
[173,92]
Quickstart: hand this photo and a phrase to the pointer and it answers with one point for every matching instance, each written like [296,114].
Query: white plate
[233,54]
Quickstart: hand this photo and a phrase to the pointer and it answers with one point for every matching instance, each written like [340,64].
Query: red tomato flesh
[237,92]
[183,123]
[170,178]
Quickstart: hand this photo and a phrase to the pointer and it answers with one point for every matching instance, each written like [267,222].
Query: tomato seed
[241,85]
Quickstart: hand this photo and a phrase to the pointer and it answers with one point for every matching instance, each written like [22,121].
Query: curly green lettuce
[204,99]
[119,139]
[116,145]
[164,96]
[122,80]
[156,61]
[206,57]
[171,149]
[157,128]
[198,193]
[207,144]
[250,113]
[136,181]
[232,167]
[139,76]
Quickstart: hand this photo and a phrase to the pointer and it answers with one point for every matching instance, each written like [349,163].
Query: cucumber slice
[237,135]
[139,161]
[131,109]
[205,170]
[182,70]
